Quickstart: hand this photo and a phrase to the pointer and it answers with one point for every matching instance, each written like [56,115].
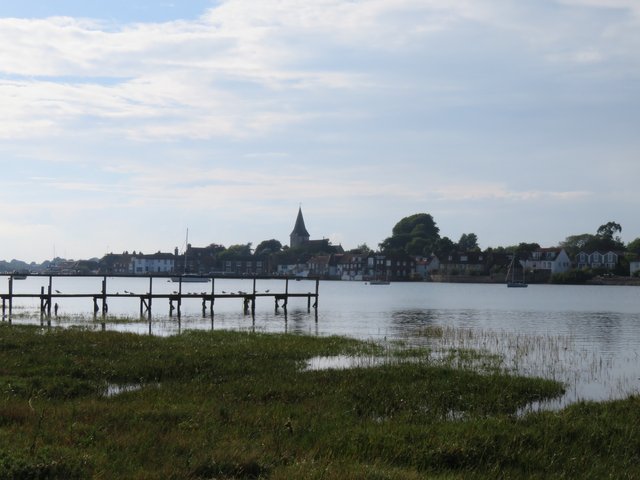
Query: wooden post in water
[49,296]
[10,297]
[253,298]
[213,296]
[286,293]
[150,297]
[105,307]
[42,302]
[179,296]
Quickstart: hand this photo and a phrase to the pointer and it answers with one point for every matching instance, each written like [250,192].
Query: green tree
[524,250]
[468,243]
[236,251]
[634,246]
[414,235]
[362,249]
[267,247]
[445,246]
[418,224]
[574,244]
[605,237]
[607,230]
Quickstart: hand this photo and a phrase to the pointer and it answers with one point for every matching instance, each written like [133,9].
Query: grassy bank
[79,404]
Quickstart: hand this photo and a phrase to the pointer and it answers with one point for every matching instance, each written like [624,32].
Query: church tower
[299,235]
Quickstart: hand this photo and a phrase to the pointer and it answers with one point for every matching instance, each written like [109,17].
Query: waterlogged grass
[202,405]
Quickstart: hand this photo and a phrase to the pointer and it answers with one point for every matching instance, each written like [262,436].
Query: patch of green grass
[243,405]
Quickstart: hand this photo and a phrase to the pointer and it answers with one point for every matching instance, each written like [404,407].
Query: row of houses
[356,266]
[350,266]
[544,260]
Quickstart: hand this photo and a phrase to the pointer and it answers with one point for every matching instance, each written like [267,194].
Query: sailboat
[512,282]
[189,277]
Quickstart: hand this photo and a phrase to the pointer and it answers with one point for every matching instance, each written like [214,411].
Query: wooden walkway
[100,300]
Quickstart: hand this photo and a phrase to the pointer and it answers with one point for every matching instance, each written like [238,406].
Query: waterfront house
[552,260]
[115,263]
[599,260]
[320,265]
[460,263]
[350,266]
[155,263]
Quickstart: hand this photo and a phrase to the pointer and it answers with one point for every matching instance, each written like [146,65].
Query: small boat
[19,276]
[379,282]
[512,281]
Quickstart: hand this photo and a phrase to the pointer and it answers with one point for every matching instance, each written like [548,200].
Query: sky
[125,123]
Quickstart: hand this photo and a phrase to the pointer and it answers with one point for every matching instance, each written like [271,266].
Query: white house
[156,263]
[607,260]
[555,260]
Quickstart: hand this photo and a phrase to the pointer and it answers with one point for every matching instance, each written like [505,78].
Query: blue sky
[125,123]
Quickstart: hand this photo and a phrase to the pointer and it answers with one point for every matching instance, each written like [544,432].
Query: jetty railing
[100,299]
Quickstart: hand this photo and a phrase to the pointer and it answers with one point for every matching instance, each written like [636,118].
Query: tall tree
[607,230]
[468,242]
[574,244]
[634,246]
[606,238]
[444,246]
[362,249]
[524,250]
[236,251]
[414,235]
[268,246]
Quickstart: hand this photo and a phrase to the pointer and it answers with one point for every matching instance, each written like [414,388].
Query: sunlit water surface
[585,336]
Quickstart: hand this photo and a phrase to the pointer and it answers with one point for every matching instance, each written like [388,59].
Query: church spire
[299,235]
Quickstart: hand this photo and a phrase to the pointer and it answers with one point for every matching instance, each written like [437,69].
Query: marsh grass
[242,405]
[555,357]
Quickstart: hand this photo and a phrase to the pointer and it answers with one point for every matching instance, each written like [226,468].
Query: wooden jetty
[100,300]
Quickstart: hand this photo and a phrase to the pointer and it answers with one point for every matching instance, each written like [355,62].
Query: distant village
[414,252]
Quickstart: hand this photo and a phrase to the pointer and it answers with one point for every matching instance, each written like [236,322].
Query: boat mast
[186,248]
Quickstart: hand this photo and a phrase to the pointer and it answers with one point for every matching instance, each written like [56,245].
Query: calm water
[585,336]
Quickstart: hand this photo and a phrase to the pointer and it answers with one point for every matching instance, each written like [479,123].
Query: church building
[299,238]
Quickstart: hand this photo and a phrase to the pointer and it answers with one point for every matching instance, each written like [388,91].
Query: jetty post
[10,297]
[105,307]
[150,296]
[49,296]
[179,295]
[213,296]
[43,302]
[286,293]
[145,301]
[253,298]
